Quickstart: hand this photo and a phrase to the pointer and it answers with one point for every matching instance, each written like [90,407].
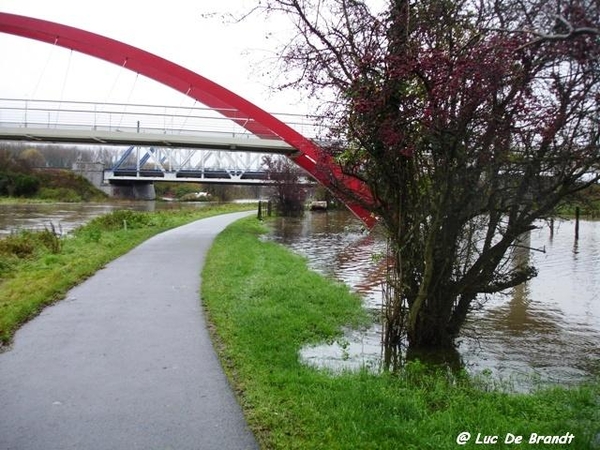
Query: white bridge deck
[171,143]
[149,139]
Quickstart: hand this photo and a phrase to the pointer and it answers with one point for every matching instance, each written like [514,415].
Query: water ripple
[547,330]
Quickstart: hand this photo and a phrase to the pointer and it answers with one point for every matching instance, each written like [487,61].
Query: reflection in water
[549,326]
[336,245]
[546,329]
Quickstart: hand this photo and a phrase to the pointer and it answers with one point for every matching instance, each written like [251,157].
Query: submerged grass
[264,305]
[38,268]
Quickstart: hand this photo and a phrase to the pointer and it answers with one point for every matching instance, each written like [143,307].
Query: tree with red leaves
[470,121]
[289,196]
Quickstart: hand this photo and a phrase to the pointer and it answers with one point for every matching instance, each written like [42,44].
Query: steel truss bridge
[163,142]
[266,128]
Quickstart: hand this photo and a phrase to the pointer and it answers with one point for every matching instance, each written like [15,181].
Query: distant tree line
[55,155]
[20,163]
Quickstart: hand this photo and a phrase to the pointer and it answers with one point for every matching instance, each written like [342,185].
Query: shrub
[60,194]
[18,184]
[50,238]
[26,185]
[20,245]
[123,219]
[23,244]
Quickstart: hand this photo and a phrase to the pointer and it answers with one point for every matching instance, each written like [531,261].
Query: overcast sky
[233,55]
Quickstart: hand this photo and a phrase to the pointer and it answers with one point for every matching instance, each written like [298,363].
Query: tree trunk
[429,327]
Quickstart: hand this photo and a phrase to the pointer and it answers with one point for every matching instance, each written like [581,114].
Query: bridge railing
[137,118]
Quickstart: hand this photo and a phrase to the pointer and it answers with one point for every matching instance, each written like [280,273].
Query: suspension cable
[114,84]
[191,109]
[137,75]
[44,68]
[64,85]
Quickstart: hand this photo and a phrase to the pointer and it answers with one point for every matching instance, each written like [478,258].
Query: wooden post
[259,210]
[269,208]
[577,223]
[551,227]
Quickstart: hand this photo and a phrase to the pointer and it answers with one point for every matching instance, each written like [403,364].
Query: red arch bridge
[254,131]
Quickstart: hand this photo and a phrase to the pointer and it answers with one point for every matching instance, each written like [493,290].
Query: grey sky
[232,55]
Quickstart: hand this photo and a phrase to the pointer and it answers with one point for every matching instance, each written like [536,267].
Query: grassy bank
[588,202]
[47,184]
[37,268]
[264,305]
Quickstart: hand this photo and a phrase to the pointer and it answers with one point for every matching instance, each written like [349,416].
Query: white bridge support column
[92,171]
[132,189]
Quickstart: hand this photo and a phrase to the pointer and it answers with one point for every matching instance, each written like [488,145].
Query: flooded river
[67,216]
[544,331]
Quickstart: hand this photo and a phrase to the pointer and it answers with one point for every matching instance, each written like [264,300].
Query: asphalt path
[125,361]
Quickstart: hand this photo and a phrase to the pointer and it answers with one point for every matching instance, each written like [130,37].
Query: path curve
[125,361]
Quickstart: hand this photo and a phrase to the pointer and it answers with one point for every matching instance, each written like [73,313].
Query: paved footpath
[125,361]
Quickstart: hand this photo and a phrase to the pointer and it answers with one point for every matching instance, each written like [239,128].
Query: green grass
[264,305]
[37,268]
[22,201]
[588,202]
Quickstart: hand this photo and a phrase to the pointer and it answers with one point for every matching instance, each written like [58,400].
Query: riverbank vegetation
[186,191]
[588,202]
[288,194]
[38,268]
[264,305]
[42,173]
[467,121]
[24,182]
[24,174]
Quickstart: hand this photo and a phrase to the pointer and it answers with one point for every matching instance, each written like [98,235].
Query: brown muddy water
[546,331]
[64,217]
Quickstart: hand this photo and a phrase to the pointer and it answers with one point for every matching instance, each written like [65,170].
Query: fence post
[577,223]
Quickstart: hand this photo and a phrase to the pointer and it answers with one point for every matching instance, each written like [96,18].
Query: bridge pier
[137,190]
[94,173]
